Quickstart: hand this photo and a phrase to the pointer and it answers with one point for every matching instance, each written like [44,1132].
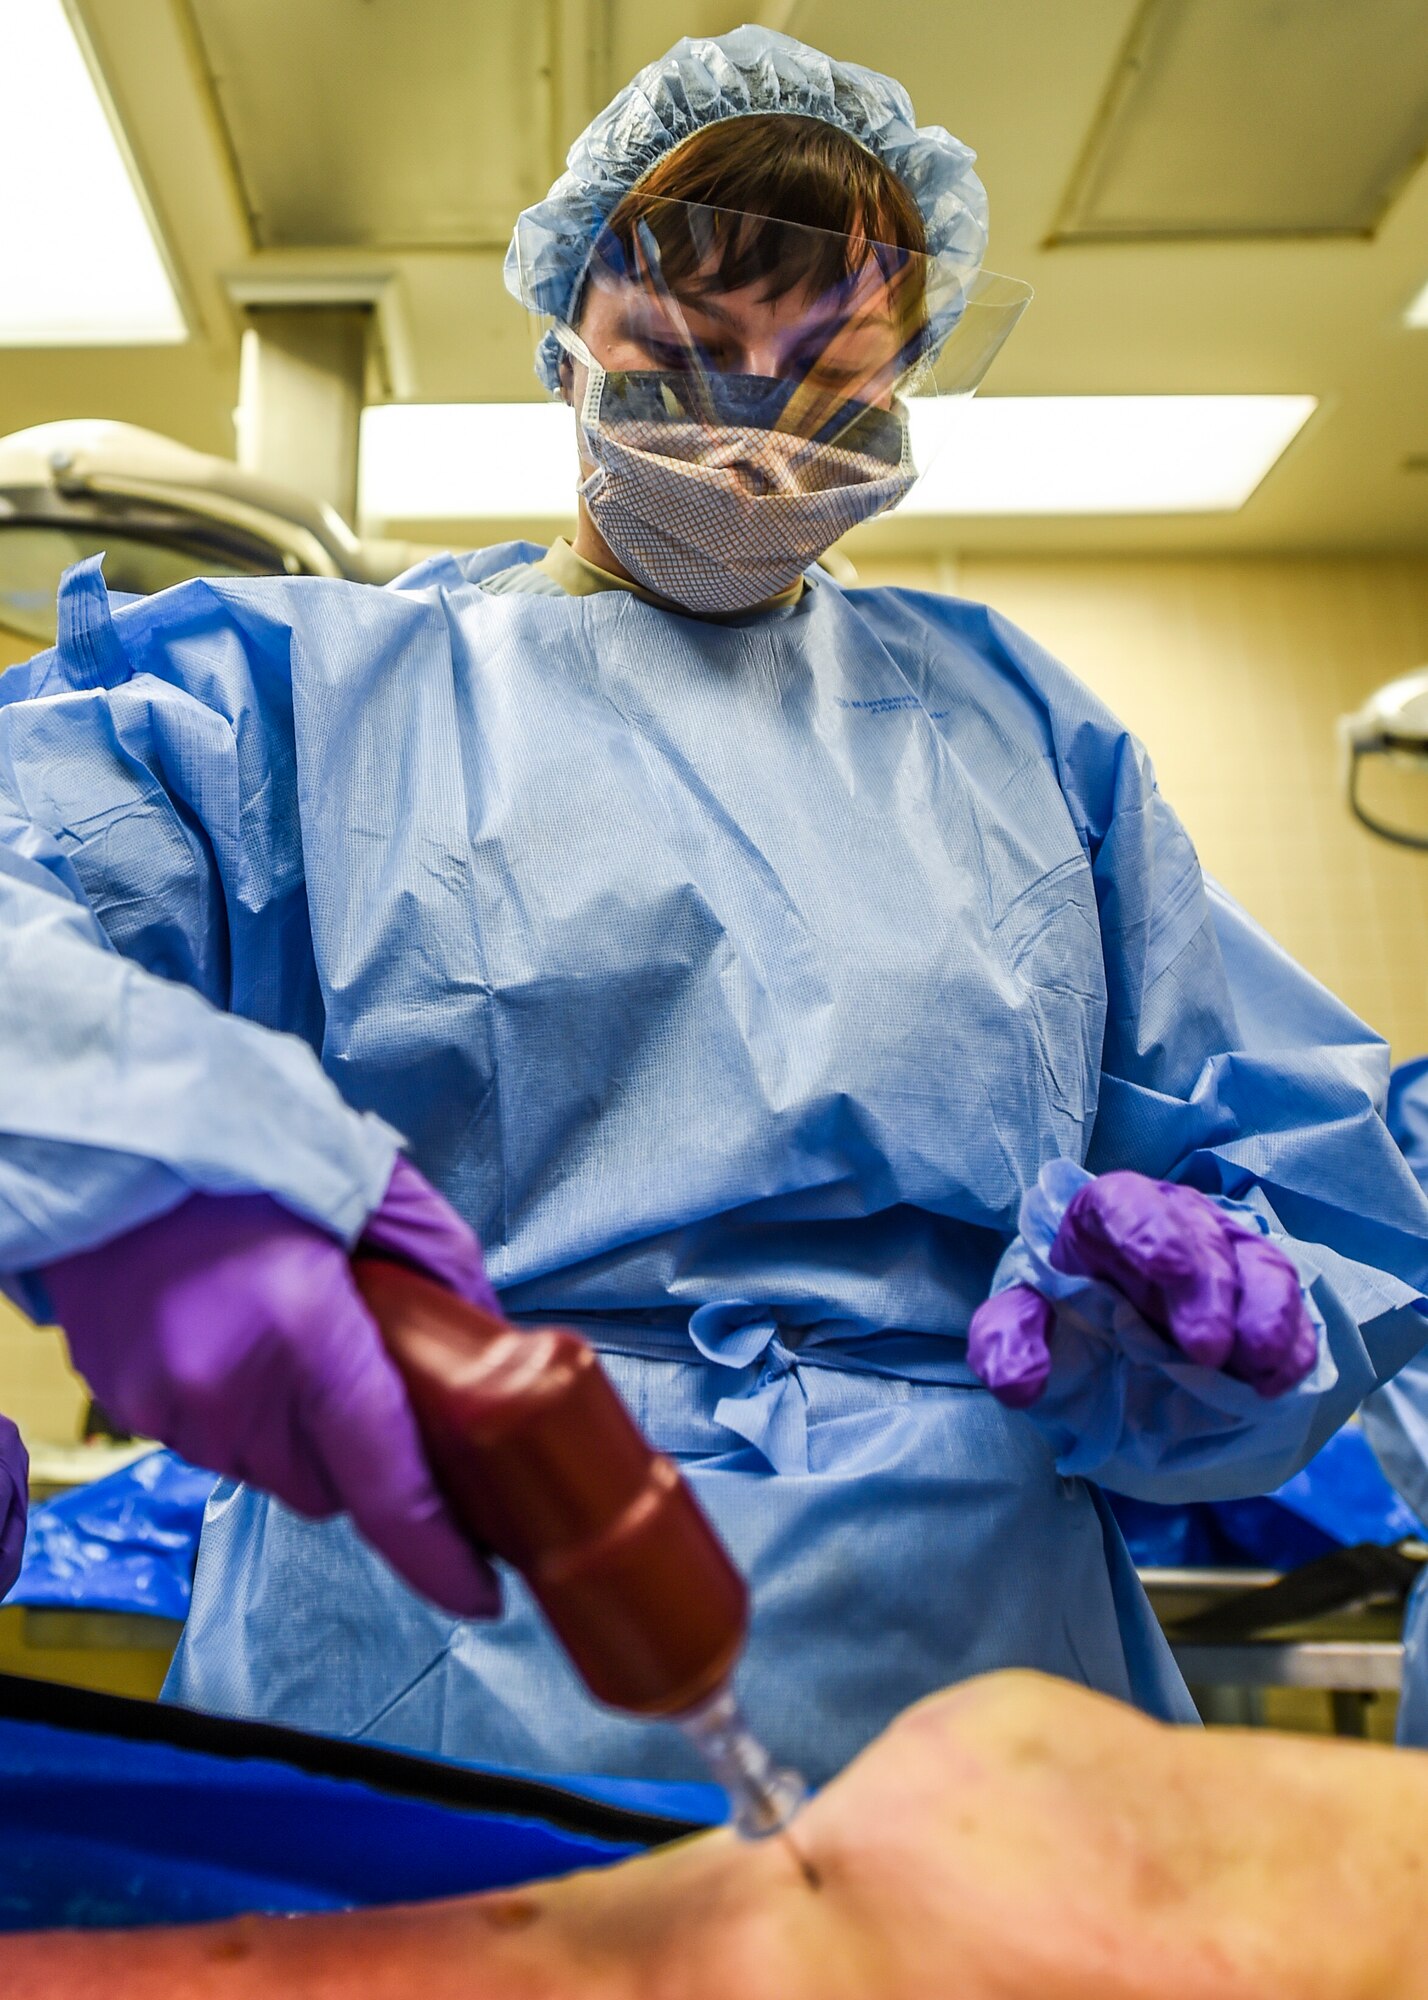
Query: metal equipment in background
[161,513]
[1332,1625]
[1392,725]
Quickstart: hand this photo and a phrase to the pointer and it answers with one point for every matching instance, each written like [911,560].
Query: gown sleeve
[1395,1417]
[1227,1067]
[159,1008]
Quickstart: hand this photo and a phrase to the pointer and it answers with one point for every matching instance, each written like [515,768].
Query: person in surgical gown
[746,958]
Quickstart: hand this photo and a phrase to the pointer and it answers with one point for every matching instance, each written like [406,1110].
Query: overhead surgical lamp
[1392,724]
[160,512]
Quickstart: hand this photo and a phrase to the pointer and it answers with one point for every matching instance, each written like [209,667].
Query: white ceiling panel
[382,123]
[1256,118]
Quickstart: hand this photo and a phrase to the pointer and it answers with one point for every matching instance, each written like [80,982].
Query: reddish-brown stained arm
[1014,1839]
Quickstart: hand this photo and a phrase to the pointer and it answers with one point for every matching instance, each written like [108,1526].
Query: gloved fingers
[14,1458]
[248,1430]
[12,1542]
[420,1227]
[175,1324]
[225,1387]
[1164,1249]
[276,1458]
[14,1496]
[1009,1345]
[1201,1306]
[1225,1295]
[362,1431]
[1276,1342]
[1114,1229]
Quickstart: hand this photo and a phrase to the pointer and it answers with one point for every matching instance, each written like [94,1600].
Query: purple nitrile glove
[418,1226]
[1226,1296]
[233,1330]
[1009,1345]
[14,1502]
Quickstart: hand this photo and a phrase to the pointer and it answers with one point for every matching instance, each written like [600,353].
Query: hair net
[700,82]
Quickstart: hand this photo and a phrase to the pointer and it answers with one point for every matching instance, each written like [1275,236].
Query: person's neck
[589,543]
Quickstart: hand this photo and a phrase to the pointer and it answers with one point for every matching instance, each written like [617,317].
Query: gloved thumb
[360,1424]
[14,1465]
[1009,1345]
[418,1226]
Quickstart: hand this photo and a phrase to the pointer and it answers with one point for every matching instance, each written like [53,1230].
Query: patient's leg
[1014,1839]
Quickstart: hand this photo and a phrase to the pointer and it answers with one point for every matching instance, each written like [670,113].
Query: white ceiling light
[999,455]
[1098,454]
[1417,314]
[467,462]
[78,262]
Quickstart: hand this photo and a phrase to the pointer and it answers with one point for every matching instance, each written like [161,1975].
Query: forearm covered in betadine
[1015,1838]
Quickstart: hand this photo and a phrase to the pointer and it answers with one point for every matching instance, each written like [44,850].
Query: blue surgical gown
[1395,1418]
[736,980]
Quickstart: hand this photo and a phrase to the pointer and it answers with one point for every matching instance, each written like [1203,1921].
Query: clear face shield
[740,387]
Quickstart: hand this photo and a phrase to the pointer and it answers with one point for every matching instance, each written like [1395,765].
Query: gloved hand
[14,1502]
[1227,1297]
[418,1226]
[232,1330]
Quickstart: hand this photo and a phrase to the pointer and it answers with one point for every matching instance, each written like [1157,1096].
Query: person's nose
[762,357]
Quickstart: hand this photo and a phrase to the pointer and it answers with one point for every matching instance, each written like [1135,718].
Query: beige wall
[37,1389]
[14,649]
[1233,672]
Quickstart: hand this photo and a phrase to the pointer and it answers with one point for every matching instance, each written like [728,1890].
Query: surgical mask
[706,503]
[742,381]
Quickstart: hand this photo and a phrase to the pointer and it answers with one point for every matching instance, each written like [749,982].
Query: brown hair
[766,169]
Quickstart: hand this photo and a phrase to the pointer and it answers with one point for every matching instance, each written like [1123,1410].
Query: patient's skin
[1014,1839]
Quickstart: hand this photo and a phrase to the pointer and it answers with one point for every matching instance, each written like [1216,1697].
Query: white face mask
[716,514]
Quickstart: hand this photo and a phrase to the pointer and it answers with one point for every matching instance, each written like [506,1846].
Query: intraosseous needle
[805,1867]
[762,1797]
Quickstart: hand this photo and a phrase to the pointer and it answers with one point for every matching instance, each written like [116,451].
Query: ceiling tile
[381,123]
[1255,118]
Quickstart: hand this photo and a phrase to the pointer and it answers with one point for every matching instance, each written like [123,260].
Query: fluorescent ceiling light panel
[79,266]
[1417,314]
[1051,455]
[1097,454]
[467,462]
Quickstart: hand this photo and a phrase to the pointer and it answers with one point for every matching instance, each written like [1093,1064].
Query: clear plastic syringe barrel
[762,1797]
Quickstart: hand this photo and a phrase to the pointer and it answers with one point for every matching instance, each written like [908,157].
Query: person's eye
[825,375]
[670,355]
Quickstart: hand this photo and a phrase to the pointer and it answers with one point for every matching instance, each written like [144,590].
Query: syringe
[763,1797]
[544,1466]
